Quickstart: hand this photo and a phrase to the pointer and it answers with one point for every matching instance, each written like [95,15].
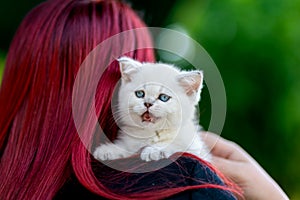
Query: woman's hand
[240,167]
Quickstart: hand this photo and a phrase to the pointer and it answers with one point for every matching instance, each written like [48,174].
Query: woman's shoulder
[200,173]
[186,173]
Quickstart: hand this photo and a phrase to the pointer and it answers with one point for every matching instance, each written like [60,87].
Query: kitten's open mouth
[148,117]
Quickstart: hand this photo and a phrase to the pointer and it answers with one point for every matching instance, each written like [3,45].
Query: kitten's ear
[191,82]
[128,67]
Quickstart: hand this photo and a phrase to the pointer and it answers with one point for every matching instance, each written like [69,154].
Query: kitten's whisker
[127,109]
[120,113]
[119,117]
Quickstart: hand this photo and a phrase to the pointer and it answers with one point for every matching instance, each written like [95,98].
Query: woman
[42,156]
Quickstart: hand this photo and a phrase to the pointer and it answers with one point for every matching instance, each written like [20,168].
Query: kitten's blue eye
[140,94]
[164,97]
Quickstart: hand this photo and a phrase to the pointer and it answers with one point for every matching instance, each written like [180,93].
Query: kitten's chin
[147,118]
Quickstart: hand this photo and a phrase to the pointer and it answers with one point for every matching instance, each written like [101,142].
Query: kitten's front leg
[111,151]
[155,152]
[160,146]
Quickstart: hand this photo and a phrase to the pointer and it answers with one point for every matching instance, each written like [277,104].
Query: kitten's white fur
[172,126]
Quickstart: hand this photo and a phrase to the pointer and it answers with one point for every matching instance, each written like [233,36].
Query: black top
[184,172]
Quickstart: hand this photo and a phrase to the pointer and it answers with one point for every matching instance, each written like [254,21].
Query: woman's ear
[128,67]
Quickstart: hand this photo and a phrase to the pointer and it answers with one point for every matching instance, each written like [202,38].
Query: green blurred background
[256,46]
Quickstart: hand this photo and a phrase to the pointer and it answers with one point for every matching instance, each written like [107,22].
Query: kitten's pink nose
[148,105]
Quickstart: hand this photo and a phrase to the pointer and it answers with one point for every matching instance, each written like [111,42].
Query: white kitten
[156,113]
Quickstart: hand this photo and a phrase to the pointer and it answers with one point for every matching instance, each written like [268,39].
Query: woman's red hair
[39,144]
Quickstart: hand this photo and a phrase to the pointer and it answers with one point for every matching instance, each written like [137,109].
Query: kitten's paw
[154,153]
[106,152]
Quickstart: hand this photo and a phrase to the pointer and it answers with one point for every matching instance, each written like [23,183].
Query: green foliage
[256,46]
[2,63]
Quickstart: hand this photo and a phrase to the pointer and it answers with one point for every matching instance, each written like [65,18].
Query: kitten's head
[157,96]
